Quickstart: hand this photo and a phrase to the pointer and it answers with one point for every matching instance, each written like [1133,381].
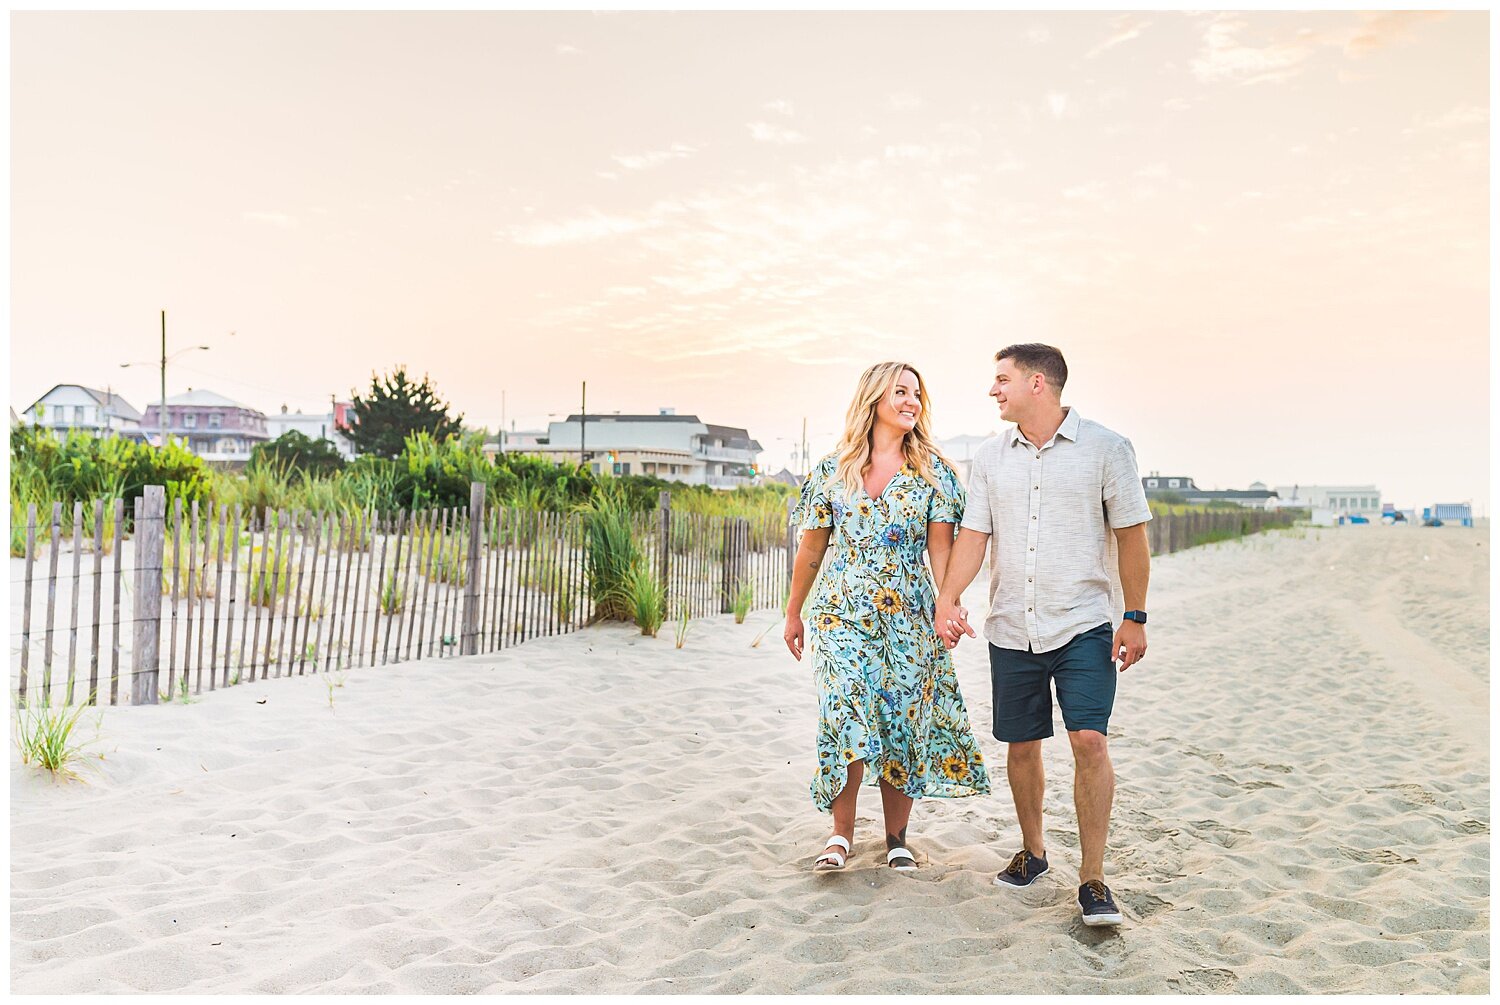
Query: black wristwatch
[1139,617]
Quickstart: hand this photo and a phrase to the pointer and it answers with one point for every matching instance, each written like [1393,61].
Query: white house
[314,426]
[73,406]
[215,428]
[1339,500]
[672,447]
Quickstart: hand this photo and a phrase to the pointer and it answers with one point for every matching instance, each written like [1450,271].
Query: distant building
[315,426]
[1450,513]
[214,427]
[1339,500]
[72,406]
[679,448]
[524,441]
[1157,486]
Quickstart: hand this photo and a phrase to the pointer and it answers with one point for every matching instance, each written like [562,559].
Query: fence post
[149,538]
[469,641]
[791,540]
[725,585]
[664,513]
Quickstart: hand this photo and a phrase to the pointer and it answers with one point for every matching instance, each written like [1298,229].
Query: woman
[888,699]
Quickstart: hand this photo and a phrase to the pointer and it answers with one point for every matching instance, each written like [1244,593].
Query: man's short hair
[1033,357]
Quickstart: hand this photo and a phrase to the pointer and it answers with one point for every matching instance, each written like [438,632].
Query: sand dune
[1302,807]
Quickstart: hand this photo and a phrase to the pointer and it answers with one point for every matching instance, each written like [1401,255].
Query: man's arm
[804,571]
[1135,574]
[964,560]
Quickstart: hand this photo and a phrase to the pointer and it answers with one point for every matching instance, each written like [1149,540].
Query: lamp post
[161,418]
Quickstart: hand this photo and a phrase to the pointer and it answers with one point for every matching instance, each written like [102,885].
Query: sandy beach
[1303,806]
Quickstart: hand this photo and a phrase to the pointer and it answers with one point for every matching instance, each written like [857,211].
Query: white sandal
[831,859]
[900,852]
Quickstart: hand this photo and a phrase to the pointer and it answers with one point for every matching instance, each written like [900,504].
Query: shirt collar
[1068,429]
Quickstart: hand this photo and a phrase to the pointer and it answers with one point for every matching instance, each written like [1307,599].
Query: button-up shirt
[1050,512]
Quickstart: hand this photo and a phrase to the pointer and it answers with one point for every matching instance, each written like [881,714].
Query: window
[189,420]
[1174,483]
[215,420]
[78,414]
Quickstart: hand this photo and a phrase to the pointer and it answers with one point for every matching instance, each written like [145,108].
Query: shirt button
[1033,516]
[1031,549]
[1028,608]
[1036,486]
[1028,579]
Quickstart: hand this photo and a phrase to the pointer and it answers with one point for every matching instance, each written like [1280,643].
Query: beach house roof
[207,399]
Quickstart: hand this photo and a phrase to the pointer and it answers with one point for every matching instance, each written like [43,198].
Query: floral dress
[886,689]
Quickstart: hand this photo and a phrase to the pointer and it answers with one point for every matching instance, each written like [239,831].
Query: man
[1045,496]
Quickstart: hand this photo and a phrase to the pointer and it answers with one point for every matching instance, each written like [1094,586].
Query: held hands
[1131,637]
[793,635]
[952,622]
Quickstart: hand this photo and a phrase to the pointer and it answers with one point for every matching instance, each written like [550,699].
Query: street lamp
[161,418]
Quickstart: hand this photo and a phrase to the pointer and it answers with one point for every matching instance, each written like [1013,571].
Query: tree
[396,408]
[292,451]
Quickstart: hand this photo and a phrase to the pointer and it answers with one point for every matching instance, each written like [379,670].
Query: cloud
[1092,191]
[779,107]
[591,226]
[1037,35]
[564,49]
[1225,58]
[268,219]
[1459,117]
[904,101]
[1385,28]
[1127,27]
[766,132]
[653,158]
[1057,104]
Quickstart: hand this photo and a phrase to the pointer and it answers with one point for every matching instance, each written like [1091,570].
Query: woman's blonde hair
[877,384]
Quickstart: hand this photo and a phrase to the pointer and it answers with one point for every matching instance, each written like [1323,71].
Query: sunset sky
[1260,239]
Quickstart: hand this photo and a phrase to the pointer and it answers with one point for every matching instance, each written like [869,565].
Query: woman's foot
[897,855]
[835,855]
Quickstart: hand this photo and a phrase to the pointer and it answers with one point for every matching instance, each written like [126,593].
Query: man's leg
[1093,795]
[1086,678]
[1023,769]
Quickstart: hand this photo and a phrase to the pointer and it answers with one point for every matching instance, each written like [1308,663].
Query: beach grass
[48,737]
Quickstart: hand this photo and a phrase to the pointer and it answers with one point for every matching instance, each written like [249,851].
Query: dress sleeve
[947,503]
[813,509]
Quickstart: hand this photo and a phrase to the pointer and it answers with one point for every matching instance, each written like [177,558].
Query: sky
[1260,239]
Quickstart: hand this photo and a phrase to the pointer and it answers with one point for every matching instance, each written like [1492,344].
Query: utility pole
[161,419]
[502,422]
[583,427]
[804,447]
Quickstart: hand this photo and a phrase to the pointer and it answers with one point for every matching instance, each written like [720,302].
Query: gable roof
[112,402]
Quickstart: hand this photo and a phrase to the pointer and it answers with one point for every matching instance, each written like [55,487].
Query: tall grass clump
[612,554]
[272,576]
[741,602]
[683,622]
[47,737]
[645,598]
[392,596]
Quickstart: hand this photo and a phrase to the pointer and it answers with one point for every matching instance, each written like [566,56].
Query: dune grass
[47,737]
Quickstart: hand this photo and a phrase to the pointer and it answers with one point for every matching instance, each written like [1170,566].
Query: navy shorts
[1083,672]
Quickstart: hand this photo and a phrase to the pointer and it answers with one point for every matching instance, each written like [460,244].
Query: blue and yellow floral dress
[886,689]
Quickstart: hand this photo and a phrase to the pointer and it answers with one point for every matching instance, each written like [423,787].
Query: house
[669,446]
[315,426]
[1159,486]
[214,427]
[524,441]
[1339,500]
[72,406]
